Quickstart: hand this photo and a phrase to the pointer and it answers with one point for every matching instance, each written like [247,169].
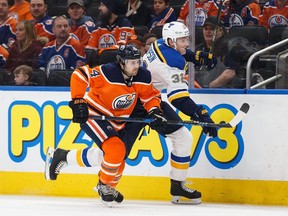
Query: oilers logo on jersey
[200,16]
[107,40]
[124,101]
[56,63]
[277,19]
[236,20]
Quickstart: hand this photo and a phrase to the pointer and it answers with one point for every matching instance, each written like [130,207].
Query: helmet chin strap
[175,45]
[127,78]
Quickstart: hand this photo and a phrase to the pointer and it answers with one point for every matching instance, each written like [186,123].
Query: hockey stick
[216,27]
[237,118]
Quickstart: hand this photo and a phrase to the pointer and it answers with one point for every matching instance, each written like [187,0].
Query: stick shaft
[216,27]
[237,118]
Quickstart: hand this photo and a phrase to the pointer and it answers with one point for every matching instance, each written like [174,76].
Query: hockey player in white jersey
[166,60]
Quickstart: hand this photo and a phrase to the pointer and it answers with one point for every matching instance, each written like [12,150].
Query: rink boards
[246,164]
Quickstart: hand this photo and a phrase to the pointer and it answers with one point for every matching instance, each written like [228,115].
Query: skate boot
[106,194]
[59,160]
[118,197]
[184,195]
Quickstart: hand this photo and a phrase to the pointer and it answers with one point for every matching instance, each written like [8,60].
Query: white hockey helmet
[174,30]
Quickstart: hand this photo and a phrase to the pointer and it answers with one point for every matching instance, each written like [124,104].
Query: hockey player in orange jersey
[115,89]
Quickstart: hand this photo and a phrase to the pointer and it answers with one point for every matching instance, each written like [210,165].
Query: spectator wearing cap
[42,21]
[113,29]
[222,75]
[138,13]
[81,25]
[20,10]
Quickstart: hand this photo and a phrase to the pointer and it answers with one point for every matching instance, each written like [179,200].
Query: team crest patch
[277,19]
[123,101]
[107,40]
[56,63]
[235,20]
[200,16]
[49,22]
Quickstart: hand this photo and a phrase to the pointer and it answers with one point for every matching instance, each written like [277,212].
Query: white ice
[11,205]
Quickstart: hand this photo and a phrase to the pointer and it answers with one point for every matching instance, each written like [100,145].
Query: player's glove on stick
[202,115]
[159,122]
[206,58]
[80,110]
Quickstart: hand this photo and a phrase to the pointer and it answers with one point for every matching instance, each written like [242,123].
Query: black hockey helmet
[126,52]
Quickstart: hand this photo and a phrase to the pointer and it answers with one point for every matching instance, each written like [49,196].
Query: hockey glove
[202,115]
[205,58]
[159,122]
[80,110]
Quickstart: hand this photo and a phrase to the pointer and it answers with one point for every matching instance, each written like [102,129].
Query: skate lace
[115,192]
[184,187]
[106,190]
[59,166]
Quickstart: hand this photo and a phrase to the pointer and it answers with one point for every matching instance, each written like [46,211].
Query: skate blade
[49,155]
[108,204]
[185,201]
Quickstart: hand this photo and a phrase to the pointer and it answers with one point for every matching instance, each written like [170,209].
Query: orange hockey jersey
[274,15]
[202,11]
[43,27]
[21,11]
[106,36]
[109,95]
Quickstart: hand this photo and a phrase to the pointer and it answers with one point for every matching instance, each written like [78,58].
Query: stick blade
[240,115]
[245,107]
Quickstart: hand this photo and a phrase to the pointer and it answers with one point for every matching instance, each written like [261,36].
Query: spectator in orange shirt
[114,27]
[203,9]
[21,10]
[81,25]
[274,13]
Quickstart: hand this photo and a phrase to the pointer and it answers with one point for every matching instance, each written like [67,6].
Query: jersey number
[178,78]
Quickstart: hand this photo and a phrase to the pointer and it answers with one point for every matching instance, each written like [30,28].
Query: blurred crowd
[49,35]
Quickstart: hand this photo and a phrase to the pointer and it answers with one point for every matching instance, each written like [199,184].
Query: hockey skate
[58,159]
[184,195]
[106,194]
[117,196]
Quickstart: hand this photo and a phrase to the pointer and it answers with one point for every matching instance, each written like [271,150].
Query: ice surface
[64,206]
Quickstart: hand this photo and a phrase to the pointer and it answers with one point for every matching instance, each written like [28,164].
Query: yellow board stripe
[213,190]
